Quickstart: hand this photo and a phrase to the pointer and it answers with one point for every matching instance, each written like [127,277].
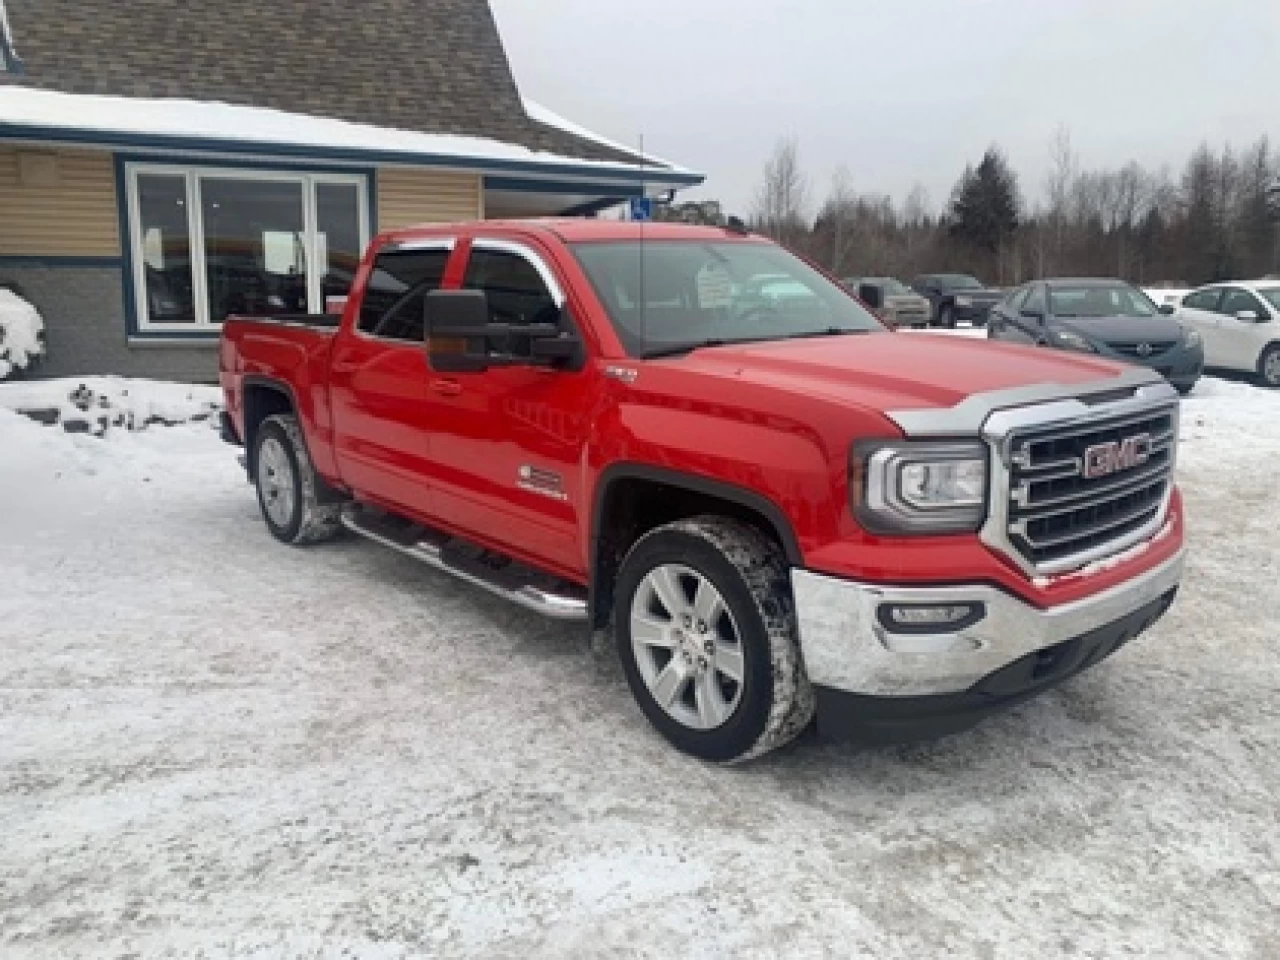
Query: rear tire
[728,687]
[947,318]
[287,485]
[1269,366]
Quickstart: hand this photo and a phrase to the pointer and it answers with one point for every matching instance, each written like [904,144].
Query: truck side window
[394,299]
[514,286]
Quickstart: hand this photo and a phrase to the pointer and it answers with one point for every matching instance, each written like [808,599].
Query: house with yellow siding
[156,177]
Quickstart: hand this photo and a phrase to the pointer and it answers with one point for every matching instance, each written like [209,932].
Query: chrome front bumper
[846,647]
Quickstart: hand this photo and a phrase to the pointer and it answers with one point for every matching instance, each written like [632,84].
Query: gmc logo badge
[1104,459]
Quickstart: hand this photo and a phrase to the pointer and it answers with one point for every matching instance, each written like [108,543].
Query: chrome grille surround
[1043,513]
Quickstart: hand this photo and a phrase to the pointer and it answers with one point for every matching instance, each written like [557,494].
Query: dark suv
[1109,318]
[956,298]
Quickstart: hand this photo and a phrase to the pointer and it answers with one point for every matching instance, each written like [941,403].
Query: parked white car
[1239,324]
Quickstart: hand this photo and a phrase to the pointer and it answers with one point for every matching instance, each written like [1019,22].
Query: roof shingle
[434,66]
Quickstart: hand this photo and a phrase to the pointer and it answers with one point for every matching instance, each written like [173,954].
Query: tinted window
[1272,296]
[514,287]
[1238,300]
[958,281]
[1035,302]
[1203,299]
[395,296]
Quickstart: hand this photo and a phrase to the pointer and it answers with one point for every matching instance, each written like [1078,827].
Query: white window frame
[192,175]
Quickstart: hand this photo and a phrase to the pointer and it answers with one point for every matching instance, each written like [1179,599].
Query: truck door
[508,442]
[378,380]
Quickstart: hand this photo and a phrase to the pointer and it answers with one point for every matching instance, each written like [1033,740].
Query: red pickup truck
[692,438]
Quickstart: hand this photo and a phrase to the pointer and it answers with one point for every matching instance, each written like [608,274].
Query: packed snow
[98,404]
[21,333]
[215,745]
[236,124]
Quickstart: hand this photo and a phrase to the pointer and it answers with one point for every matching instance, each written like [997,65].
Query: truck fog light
[929,617]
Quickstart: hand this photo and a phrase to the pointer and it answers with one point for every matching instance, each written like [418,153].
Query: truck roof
[573,229]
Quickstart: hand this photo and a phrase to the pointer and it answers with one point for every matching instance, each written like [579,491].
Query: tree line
[1219,219]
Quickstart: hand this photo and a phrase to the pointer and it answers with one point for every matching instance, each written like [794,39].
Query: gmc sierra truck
[776,506]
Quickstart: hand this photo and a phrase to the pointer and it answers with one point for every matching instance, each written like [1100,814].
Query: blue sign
[641,208]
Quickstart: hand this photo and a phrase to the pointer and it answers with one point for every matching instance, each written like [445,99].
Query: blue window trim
[287,151]
[125,261]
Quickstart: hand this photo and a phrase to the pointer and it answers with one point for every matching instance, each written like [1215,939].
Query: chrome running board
[496,573]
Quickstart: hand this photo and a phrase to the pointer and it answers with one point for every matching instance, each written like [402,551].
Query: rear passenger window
[396,293]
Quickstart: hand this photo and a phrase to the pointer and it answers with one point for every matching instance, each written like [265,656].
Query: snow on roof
[541,114]
[232,127]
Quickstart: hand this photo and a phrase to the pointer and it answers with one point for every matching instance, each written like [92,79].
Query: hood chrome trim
[968,417]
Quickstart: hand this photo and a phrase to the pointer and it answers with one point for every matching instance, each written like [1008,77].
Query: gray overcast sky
[901,90]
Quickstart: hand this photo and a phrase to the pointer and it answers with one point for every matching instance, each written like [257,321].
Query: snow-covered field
[214,745]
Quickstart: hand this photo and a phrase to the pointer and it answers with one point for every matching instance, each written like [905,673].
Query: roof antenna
[644,300]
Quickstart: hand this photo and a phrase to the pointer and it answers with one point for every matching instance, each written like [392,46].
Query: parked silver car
[892,301]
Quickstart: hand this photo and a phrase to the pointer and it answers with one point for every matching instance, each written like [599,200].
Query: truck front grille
[1075,491]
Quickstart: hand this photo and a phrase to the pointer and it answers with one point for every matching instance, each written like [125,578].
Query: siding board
[407,196]
[73,216]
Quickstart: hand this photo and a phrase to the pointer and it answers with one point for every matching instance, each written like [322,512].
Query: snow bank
[97,404]
[21,333]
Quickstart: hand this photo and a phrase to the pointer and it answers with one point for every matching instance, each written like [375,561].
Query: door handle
[446,388]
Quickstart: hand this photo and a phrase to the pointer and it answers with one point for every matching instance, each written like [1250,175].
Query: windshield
[1099,301]
[1271,295]
[958,281]
[682,294]
[894,288]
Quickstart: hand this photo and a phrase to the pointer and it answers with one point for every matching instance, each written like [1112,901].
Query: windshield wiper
[676,349]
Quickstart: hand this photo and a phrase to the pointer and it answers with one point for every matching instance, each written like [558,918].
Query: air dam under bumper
[874,684]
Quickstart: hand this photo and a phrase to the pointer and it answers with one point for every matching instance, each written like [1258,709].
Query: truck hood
[1123,329]
[894,371]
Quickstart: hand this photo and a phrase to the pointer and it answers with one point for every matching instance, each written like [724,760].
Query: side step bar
[498,574]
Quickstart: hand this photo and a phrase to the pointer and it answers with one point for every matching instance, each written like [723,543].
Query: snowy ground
[211,744]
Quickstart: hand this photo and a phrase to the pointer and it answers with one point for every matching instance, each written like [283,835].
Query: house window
[210,242]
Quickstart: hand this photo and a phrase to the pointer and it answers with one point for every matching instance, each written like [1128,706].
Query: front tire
[706,632]
[1269,366]
[287,485]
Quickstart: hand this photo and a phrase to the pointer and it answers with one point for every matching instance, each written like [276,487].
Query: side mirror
[871,296]
[460,338]
[1247,316]
[1168,309]
[456,323]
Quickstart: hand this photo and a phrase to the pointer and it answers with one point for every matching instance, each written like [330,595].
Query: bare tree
[1063,172]
[782,195]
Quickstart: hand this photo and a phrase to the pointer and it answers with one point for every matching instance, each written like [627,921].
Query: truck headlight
[904,487]
[964,301]
[1191,337]
[1073,341]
